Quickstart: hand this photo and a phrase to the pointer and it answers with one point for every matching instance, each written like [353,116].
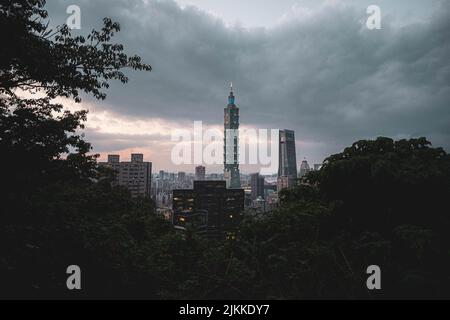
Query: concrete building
[285,182]
[135,175]
[209,205]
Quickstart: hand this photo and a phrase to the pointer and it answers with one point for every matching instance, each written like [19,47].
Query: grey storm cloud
[324,75]
[105,142]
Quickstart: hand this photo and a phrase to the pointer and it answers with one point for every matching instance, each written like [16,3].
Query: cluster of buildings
[212,204]
[163,184]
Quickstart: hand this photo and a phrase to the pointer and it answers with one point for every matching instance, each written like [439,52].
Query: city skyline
[174,150]
[337,82]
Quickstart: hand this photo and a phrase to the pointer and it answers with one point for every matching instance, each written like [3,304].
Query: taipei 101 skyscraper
[231,143]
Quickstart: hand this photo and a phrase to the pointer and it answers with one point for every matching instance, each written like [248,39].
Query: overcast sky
[310,66]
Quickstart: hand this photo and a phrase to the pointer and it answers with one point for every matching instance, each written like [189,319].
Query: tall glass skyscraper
[231,143]
[287,162]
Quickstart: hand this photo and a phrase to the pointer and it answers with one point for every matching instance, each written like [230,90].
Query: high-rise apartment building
[135,175]
[231,143]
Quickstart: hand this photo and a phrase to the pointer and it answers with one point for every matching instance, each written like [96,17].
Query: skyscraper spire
[231,96]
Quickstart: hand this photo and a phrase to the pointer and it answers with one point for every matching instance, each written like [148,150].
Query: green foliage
[379,202]
[58,207]
[93,225]
[54,63]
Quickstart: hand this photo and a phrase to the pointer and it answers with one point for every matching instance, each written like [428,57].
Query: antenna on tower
[231,96]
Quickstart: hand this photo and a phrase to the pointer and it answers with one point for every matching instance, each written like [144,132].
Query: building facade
[209,207]
[231,143]
[285,182]
[135,175]
[257,185]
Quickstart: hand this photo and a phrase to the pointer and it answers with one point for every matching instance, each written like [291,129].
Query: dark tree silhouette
[53,212]
[54,63]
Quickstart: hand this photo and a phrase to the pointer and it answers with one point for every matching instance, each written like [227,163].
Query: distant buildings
[304,168]
[287,165]
[257,185]
[231,143]
[164,183]
[134,175]
[200,173]
[285,182]
[162,186]
[215,176]
[209,208]
[181,177]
